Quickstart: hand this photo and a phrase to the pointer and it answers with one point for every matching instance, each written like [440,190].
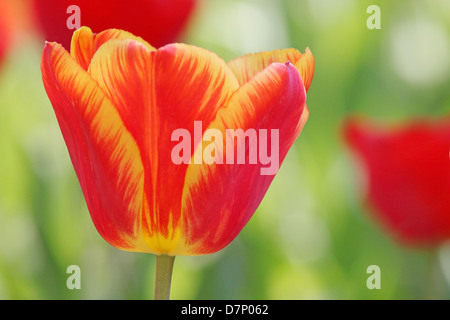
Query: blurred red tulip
[5,29]
[118,102]
[408,171]
[159,22]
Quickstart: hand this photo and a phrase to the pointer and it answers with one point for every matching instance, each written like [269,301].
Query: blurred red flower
[408,171]
[159,22]
[5,29]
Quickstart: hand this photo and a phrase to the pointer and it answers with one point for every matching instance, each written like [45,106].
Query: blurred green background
[313,236]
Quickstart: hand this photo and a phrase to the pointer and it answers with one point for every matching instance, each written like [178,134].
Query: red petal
[219,199]
[104,154]
[157,92]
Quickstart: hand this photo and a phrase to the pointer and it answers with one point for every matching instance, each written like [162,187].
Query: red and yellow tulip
[118,100]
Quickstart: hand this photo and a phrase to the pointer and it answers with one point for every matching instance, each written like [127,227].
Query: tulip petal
[247,66]
[105,156]
[85,43]
[305,66]
[219,199]
[180,84]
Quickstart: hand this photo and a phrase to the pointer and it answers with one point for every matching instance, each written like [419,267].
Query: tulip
[118,102]
[408,173]
[158,21]
[5,29]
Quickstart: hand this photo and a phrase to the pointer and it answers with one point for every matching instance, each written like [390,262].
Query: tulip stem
[164,267]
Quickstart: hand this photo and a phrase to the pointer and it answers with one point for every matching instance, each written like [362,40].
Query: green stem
[164,267]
